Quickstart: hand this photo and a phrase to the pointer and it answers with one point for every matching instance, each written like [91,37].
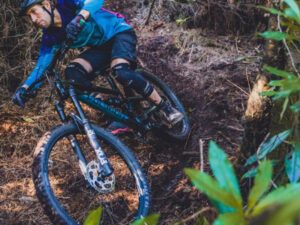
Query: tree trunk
[257,118]
[258,112]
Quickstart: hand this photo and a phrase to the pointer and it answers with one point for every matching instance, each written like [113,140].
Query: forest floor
[212,75]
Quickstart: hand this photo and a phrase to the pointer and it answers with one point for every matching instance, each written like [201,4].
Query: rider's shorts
[122,45]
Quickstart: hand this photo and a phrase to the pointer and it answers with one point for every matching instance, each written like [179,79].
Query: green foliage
[261,183]
[258,201]
[181,21]
[27,119]
[233,218]
[292,167]
[287,213]
[296,107]
[293,10]
[212,189]
[268,147]
[276,35]
[224,174]
[250,173]
[201,221]
[278,196]
[94,217]
[271,10]
[288,85]
[149,220]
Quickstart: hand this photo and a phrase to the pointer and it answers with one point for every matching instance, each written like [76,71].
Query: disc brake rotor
[102,185]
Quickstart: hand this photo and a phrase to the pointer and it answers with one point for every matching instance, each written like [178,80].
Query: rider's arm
[45,57]
[88,7]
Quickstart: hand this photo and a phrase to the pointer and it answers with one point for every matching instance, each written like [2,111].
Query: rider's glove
[75,26]
[19,97]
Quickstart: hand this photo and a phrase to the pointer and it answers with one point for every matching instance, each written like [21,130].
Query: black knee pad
[77,75]
[129,78]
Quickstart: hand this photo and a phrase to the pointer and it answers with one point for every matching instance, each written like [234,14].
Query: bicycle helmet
[26,4]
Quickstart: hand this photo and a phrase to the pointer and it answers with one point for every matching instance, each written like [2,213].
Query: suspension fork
[106,168]
[72,139]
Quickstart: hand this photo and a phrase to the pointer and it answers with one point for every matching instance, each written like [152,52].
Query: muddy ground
[212,75]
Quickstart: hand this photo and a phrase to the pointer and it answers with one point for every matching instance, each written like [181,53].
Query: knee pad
[77,75]
[129,78]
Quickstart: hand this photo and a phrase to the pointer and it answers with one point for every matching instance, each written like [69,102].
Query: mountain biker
[110,39]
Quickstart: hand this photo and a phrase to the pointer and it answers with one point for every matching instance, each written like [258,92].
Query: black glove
[19,97]
[75,26]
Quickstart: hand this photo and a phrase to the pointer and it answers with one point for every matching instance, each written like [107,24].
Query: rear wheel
[65,194]
[181,129]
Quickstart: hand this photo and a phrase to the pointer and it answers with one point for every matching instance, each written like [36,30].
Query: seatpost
[106,168]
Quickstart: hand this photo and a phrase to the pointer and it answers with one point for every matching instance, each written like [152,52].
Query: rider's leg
[154,96]
[76,73]
[128,78]
[80,70]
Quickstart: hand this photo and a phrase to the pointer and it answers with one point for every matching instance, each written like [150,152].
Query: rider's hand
[19,97]
[75,26]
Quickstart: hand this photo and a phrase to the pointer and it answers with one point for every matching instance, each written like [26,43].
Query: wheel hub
[102,185]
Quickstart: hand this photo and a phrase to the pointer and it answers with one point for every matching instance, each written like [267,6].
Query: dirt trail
[210,74]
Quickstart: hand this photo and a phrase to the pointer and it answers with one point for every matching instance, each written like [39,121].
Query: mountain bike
[110,173]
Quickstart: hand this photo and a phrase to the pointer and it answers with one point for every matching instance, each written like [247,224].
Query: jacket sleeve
[90,5]
[45,58]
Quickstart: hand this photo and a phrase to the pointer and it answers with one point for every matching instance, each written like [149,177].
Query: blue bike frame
[112,112]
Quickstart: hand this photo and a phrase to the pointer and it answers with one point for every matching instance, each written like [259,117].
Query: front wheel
[181,129]
[64,192]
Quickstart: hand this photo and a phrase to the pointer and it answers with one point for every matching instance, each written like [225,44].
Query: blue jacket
[101,26]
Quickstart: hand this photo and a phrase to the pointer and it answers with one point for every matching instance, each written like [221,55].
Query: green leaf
[295,107]
[269,146]
[221,207]
[286,214]
[211,188]
[292,167]
[233,218]
[27,119]
[201,220]
[294,7]
[276,83]
[277,196]
[289,13]
[282,94]
[148,220]
[268,93]
[285,104]
[250,173]
[280,73]
[261,183]
[275,35]
[271,10]
[182,21]
[223,171]
[94,217]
